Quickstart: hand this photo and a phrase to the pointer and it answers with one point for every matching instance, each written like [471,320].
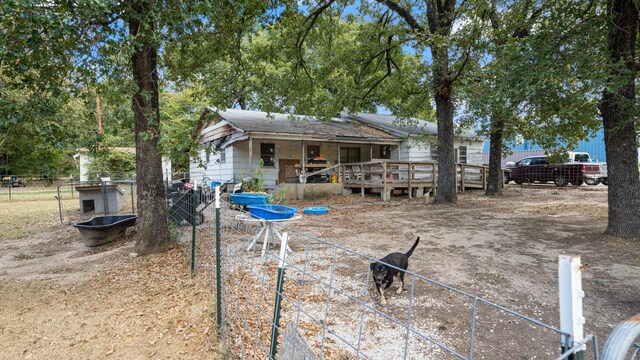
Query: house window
[349,155]
[385,151]
[268,154]
[313,151]
[223,155]
[433,152]
[462,154]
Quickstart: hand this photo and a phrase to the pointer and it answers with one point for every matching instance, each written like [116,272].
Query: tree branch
[493,16]
[464,63]
[389,62]
[404,14]
[108,22]
[310,21]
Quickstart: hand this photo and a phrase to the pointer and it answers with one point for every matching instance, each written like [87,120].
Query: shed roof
[306,126]
[402,127]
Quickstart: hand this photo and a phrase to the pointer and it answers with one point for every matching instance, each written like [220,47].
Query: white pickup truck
[583,157]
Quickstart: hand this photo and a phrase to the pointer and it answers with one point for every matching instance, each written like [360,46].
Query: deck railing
[388,175]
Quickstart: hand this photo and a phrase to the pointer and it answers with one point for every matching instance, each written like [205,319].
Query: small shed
[106,198]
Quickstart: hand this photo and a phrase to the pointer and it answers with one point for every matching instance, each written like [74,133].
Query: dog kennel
[108,198]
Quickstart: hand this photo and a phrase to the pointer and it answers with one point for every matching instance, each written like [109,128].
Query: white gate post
[571,294]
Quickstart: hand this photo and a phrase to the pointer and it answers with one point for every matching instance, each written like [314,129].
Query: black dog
[384,274]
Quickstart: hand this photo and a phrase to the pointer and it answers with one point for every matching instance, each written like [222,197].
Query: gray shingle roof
[258,121]
[402,127]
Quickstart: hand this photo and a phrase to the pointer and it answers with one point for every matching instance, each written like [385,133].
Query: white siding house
[238,139]
[419,138]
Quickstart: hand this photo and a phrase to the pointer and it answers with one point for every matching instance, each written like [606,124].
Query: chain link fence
[81,201]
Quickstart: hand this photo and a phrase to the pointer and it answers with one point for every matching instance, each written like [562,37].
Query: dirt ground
[504,250]
[60,299]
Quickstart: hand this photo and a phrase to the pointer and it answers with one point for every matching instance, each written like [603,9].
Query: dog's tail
[413,247]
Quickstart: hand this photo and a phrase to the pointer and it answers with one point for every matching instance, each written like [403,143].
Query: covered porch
[307,160]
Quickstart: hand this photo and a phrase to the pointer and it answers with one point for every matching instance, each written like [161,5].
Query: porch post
[370,152]
[361,179]
[386,192]
[303,180]
[410,176]
[251,154]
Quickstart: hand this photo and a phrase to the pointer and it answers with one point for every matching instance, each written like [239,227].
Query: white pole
[217,197]
[283,249]
[570,290]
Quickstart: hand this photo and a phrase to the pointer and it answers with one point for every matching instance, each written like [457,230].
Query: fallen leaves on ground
[145,307]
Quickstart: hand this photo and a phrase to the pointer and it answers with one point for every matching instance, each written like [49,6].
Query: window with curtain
[268,154]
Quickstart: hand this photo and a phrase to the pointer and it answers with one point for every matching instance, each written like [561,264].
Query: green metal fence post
[279,286]
[218,275]
[193,225]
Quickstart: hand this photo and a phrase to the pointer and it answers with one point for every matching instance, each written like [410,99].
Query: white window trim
[465,156]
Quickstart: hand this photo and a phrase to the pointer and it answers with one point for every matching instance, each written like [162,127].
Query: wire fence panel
[29,193]
[27,187]
[81,201]
[329,299]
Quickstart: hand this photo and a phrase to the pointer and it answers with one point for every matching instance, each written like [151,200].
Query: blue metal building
[594,146]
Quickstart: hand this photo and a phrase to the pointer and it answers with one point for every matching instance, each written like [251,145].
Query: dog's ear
[371,265]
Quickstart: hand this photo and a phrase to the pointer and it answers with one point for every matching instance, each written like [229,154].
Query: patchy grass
[24,218]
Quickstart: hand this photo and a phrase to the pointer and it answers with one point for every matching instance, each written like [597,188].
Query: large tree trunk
[440,16]
[153,231]
[617,108]
[494,185]
[446,184]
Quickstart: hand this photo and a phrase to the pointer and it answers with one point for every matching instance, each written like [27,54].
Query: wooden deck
[412,178]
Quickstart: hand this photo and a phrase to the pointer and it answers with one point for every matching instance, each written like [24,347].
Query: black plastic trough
[103,229]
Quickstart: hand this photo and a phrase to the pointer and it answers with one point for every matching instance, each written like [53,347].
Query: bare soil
[504,250]
[60,299]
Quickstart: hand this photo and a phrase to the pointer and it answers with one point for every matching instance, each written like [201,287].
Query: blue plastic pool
[315,210]
[271,212]
[250,198]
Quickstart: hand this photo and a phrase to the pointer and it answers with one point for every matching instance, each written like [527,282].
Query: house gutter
[291,136]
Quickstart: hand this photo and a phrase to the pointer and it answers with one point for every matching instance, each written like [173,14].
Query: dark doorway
[349,155]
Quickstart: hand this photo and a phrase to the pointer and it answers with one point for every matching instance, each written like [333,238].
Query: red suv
[538,169]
